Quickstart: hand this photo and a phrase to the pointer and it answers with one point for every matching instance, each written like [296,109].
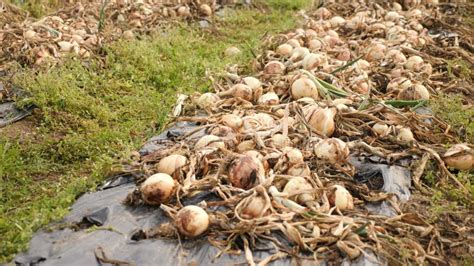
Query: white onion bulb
[274,68]
[460,156]
[297,185]
[321,119]
[415,92]
[414,63]
[304,87]
[255,208]
[208,100]
[245,172]
[269,98]
[231,120]
[171,163]
[157,189]
[380,129]
[192,221]
[209,141]
[333,150]
[405,135]
[253,83]
[284,50]
[341,198]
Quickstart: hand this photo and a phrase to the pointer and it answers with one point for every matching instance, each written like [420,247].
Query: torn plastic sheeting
[9,113]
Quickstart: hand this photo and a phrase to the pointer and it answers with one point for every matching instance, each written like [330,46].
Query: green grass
[92,115]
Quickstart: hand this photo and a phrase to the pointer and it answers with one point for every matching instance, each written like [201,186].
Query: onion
[208,100]
[269,98]
[245,172]
[232,51]
[253,83]
[405,135]
[295,186]
[312,61]
[294,155]
[274,68]
[128,35]
[323,13]
[304,87]
[399,84]
[192,221]
[299,53]
[380,129]
[315,45]
[337,21]
[376,52]
[231,120]
[460,156]
[333,150]
[245,145]
[239,91]
[255,208]
[29,34]
[284,50]
[171,163]
[300,169]
[183,11]
[397,6]
[209,141]
[397,57]
[294,43]
[340,197]
[416,92]
[206,10]
[321,119]
[392,16]
[280,141]
[224,132]
[157,188]
[414,63]
[258,120]
[65,46]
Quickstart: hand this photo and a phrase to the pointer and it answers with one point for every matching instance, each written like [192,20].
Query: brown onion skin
[243,172]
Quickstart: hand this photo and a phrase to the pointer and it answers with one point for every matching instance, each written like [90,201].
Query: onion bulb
[312,61]
[29,34]
[65,46]
[255,208]
[333,150]
[299,53]
[253,83]
[157,188]
[399,84]
[258,120]
[380,129]
[280,141]
[284,50]
[208,100]
[296,185]
[300,169]
[232,51]
[376,52]
[206,10]
[460,157]
[231,120]
[340,197]
[246,145]
[245,172]
[304,87]
[171,163]
[293,155]
[128,35]
[209,141]
[274,68]
[405,135]
[414,63]
[315,45]
[269,98]
[415,92]
[294,43]
[239,91]
[192,221]
[183,11]
[321,119]
[337,21]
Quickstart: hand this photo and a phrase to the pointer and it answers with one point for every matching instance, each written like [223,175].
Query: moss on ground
[91,115]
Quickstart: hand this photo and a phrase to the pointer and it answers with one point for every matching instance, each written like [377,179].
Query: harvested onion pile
[279,148]
[82,28]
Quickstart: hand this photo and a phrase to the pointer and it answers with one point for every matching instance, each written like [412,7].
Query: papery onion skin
[157,189]
[304,87]
[192,221]
[171,163]
[209,141]
[274,68]
[207,100]
[321,119]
